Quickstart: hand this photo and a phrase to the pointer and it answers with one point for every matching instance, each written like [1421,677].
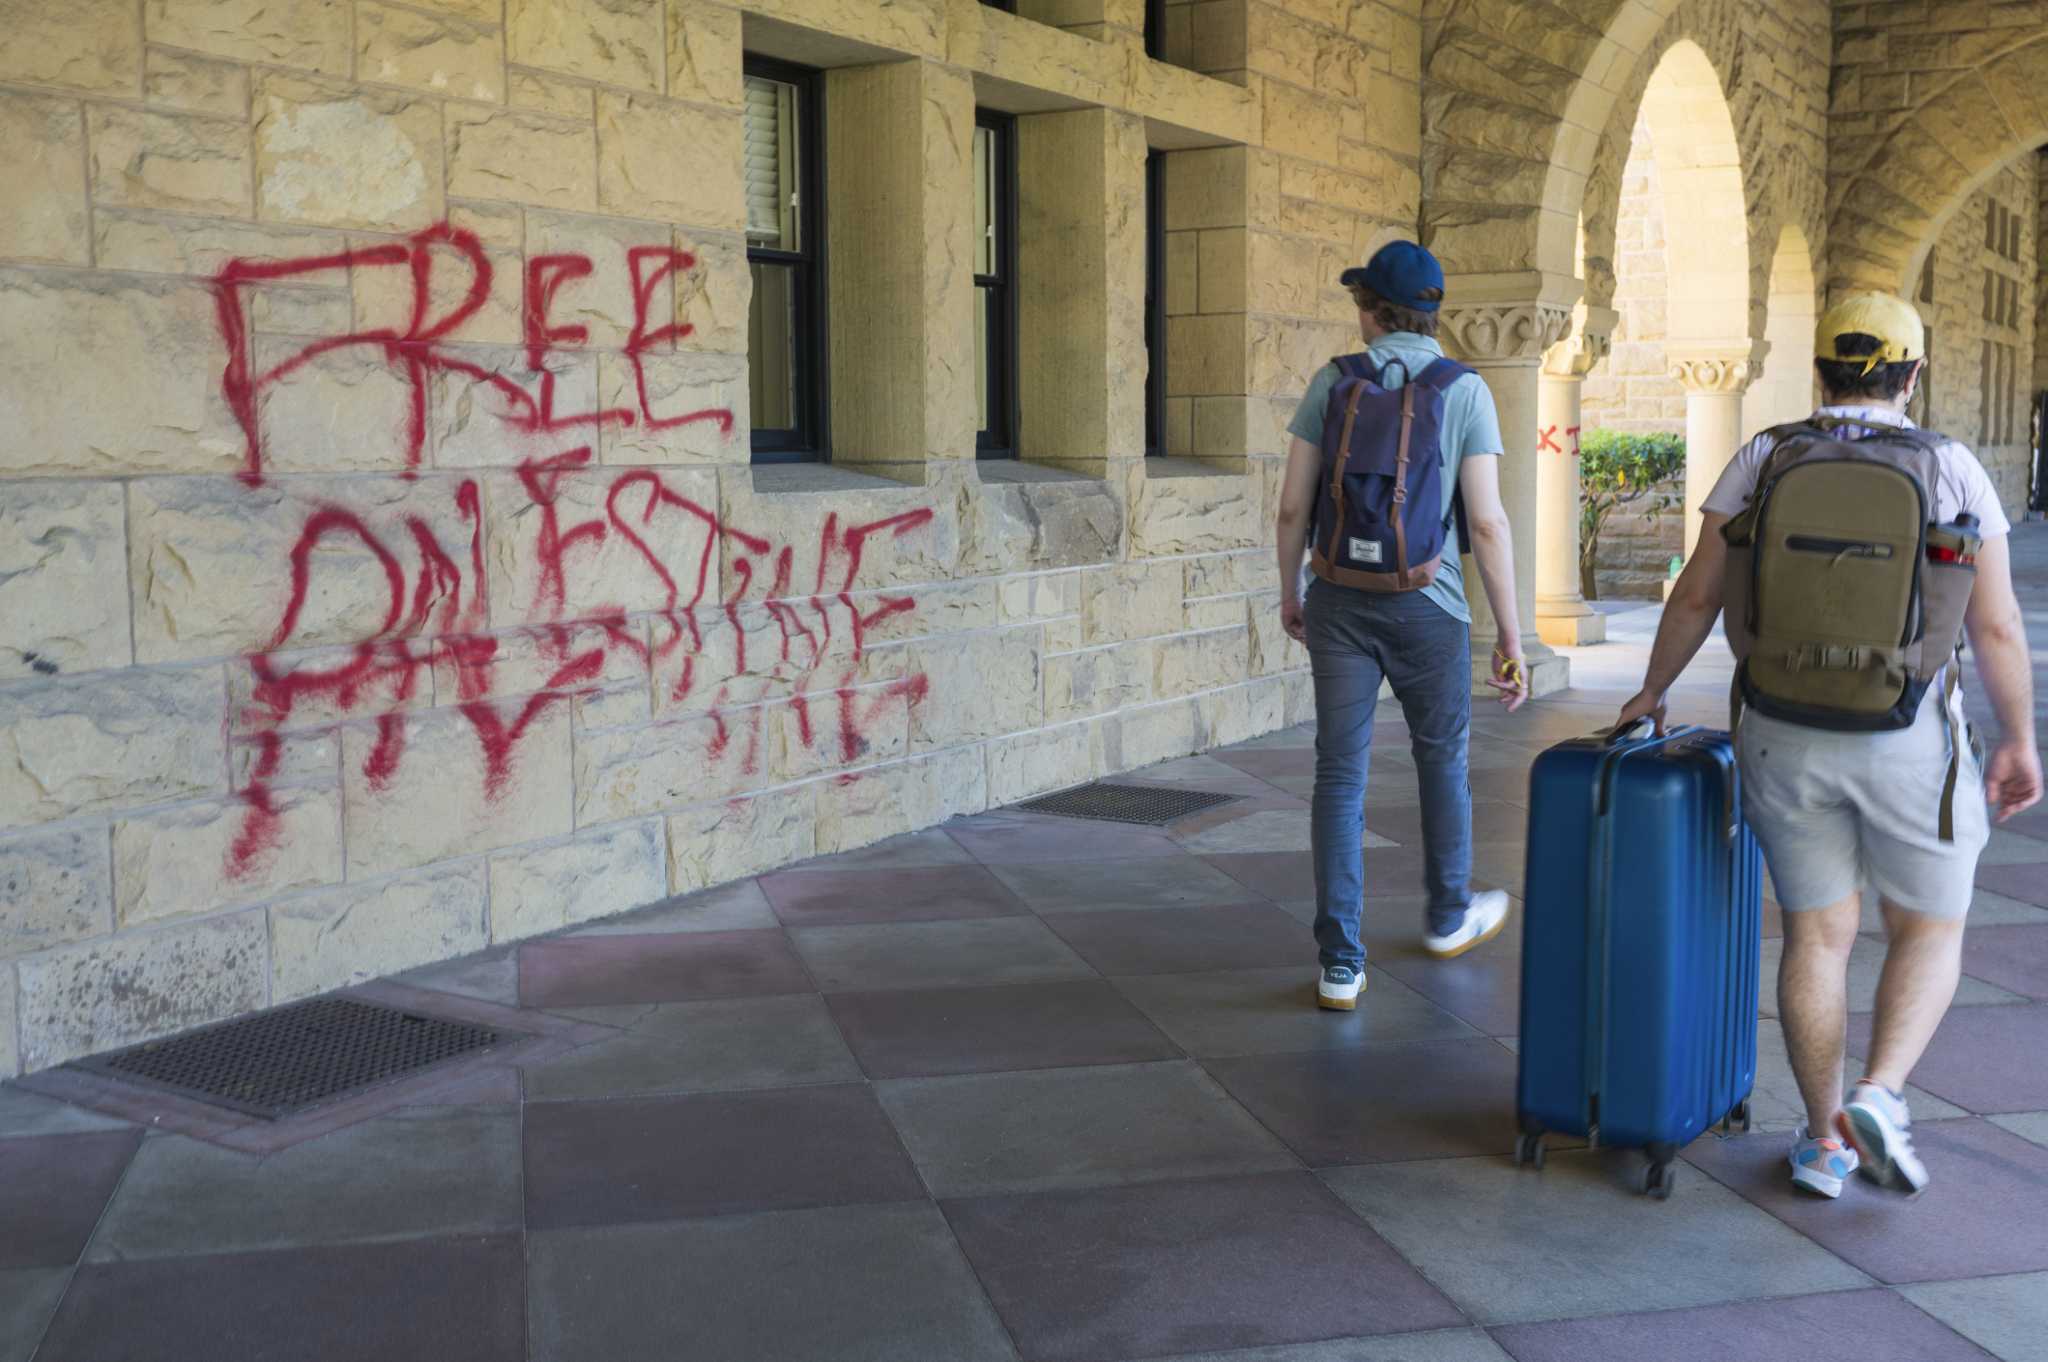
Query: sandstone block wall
[1632,388]
[382,569]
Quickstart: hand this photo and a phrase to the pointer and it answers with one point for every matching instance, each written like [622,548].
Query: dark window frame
[809,441]
[1155,29]
[999,440]
[1155,303]
[1007,6]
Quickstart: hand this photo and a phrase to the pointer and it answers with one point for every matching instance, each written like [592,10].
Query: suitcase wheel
[1657,1179]
[1529,1150]
[1739,1118]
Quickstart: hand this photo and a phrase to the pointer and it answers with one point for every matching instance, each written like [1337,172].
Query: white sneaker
[1821,1164]
[1875,1121]
[1337,988]
[1484,917]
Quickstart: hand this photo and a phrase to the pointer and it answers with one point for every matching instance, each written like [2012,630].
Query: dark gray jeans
[1356,638]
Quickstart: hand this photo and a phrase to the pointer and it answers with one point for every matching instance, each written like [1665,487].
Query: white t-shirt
[1964,485]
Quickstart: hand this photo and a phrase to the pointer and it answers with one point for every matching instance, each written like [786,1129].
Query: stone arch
[1784,391]
[1897,186]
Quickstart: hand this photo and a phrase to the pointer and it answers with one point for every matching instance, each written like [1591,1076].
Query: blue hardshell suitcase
[1641,927]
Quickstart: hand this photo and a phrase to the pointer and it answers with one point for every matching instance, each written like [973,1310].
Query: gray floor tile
[736,907]
[1445,1345]
[929,893]
[54,1190]
[936,954]
[1223,1263]
[634,1159]
[2014,958]
[491,975]
[1007,838]
[30,1113]
[1985,1059]
[848,1284]
[1870,1326]
[1094,886]
[1065,1128]
[1207,770]
[449,1300]
[1273,1011]
[1986,1211]
[2028,1125]
[2006,1316]
[922,1033]
[1866,963]
[707,1046]
[1511,1245]
[1183,940]
[1776,1105]
[1265,830]
[673,967]
[928,848]
[28,1298]
[416,1172]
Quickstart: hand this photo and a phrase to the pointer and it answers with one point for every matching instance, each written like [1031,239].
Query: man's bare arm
[1998,640]
[1688,619]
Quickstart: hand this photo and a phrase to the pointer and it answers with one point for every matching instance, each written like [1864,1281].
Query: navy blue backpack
[1379,522]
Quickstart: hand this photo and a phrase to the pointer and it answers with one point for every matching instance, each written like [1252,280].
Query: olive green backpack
[1843,602]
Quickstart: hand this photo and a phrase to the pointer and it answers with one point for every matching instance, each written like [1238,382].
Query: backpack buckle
[1827,657]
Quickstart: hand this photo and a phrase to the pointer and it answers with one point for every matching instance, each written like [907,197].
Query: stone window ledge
[1184,466]
[798,479]
[1011,472]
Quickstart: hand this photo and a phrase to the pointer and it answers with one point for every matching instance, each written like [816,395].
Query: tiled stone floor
[1018,1087]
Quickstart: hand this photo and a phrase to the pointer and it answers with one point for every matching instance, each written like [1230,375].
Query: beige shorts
[1835,811]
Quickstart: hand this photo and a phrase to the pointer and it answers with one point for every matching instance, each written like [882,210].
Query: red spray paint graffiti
[432,619]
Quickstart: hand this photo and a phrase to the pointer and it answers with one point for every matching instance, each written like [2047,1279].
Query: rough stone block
[154,160]
[1226,574]
[824,731]
[1195,662]
[1206,188]
[205,857]
[180,80]
[1130,600]
[522,157]
[280,758]
[906,537]
[1177,515]
[1097,681]
[10,1046]
[346,410]
[429,52]
[1271,649]
[212,563]
[712,843]
[911,26]
[473,423]
[902,797]
[1139,737]
[545,94]
[670,161]
[1008,527]
[653,542]
[567,658]
[309,34]
[698,401]
[162,243]
[628,773]
[100,995]
[109,375]
[331,940]
[602,301]
[703,52]
[617,42]
[110,741]
[714,294]
[55,886]
[980,685]
[1205,354]
[598,873]
[1028,764]
[341,157]
[383,297]
[63,579]
[42,163]
[490,774]
[85,44]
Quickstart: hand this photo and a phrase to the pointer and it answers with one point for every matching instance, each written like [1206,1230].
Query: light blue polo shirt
[1471,429]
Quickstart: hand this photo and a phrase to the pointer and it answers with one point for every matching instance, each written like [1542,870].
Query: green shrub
[1616,469]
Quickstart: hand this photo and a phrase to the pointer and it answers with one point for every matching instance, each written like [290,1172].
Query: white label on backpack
[1367,551]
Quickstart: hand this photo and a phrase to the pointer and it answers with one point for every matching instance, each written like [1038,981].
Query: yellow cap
[1891,319]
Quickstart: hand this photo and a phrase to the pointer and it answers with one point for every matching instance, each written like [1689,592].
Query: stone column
[1563,619]
[1714,383]
[1502,325]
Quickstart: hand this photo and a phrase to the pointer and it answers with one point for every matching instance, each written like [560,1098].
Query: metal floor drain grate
[278,1063]
[1153,805]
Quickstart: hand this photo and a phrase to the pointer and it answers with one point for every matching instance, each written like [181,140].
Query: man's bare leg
[1813,1003]
[1921,971]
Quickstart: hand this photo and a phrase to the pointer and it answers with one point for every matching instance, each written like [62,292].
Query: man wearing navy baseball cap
[1387,601]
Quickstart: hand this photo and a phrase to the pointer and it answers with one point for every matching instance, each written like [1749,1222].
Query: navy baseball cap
[1399,272]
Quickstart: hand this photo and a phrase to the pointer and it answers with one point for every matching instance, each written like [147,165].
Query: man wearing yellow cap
[1898,803]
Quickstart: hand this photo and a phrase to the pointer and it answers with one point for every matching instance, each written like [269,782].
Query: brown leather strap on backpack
[1337,471]
[1401,486]
[1947,827]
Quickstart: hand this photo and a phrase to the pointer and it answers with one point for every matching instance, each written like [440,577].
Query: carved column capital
[1505,333]
[1726,372]
[1592,336]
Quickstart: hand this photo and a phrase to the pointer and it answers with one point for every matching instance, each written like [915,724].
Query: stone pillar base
[1571,630]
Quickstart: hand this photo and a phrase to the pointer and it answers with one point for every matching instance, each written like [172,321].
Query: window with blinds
[786,317]
[995,254]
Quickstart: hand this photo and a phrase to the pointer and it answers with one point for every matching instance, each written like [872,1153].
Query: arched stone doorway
[1784,391]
